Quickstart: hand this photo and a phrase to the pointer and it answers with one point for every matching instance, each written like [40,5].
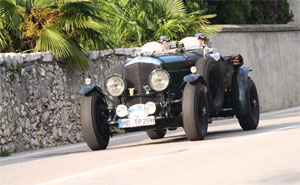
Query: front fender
[239,90]
[191,78]
[87,89]
[194,78]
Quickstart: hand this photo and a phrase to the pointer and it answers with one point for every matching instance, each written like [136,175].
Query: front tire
[194,111]
[95,128]
[249,120]
[156,133]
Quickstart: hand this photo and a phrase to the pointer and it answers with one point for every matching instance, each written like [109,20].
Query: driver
[163,40]
[209,51]
[201,38]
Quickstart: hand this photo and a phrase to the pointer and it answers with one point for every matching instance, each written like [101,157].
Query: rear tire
[95,128]
[208,68]
[194,111]
[249,121]
[156,133]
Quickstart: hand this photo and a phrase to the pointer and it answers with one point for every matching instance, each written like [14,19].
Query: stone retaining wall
[39,103]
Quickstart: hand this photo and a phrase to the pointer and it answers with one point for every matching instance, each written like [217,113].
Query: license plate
[137,122]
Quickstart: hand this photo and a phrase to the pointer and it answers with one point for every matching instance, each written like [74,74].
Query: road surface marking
[263,114]
[49,150]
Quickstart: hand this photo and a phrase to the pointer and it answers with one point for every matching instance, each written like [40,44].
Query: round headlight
[115,85]
[88,81]
[193,69]
[150,108]
[159,80]
[122,111]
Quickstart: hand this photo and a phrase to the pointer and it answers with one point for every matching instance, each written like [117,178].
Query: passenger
[163,40]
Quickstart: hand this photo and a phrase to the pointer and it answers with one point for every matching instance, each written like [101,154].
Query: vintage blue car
[160,90]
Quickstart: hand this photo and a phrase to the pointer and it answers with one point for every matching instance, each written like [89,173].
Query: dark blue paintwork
[86,89]
[170,59]
[239,90]
[191,78]
[140,59]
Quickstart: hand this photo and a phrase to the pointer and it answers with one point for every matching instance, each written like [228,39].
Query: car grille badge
[147,89]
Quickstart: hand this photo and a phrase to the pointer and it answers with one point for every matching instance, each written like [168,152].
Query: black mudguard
[192,78]
[86,90]
[239,89]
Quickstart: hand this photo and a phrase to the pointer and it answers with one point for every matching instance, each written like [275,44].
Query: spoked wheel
[194,111]
[156,133]
[208,68]
[249,121]
[93,121]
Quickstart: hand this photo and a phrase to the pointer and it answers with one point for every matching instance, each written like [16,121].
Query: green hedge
[244,11]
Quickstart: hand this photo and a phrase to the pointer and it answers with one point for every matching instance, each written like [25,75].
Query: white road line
[134,135]
[43,152]
[281,111]
[90,172]
[265,114]
[269,132]
[64,148]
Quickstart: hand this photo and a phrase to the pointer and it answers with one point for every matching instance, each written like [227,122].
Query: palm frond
[172,28]
[169,7]
[80,21]
[83,7]
[9,13]
[92,40]
[210,30]
[45,3]
[3,42]
[208,16]
[57,43]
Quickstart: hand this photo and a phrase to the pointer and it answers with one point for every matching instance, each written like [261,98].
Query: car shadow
[213,135]
[239,132]
[165,140]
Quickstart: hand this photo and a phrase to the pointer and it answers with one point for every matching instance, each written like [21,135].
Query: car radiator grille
[136,76]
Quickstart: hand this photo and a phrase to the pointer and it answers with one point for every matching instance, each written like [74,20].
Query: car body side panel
[193,56]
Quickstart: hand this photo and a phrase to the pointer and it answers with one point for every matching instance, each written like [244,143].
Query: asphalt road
[269,155]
